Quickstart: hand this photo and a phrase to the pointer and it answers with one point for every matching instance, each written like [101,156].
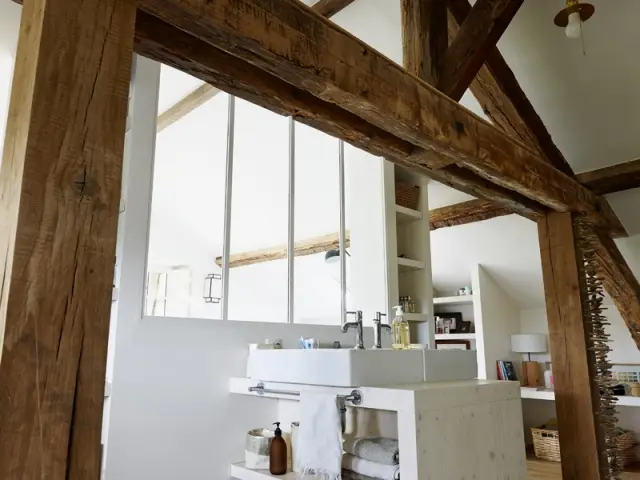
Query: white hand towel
[370,469]
[319,440]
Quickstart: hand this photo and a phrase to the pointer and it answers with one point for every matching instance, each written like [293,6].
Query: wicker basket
[546,445]
[627,456]
[407,195]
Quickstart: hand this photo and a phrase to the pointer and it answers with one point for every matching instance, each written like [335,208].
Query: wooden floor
[541,470]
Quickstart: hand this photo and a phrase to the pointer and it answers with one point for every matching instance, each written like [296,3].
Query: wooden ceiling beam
[619,282]
[185,105]
[616,178]
[424,37]
[502,99]
[464,213]
[328,8]
[477,36]
[308,246]
[286,40]
[203,93]
[190,55]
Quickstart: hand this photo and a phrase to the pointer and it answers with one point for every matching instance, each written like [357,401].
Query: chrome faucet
[357,324]
[378,326]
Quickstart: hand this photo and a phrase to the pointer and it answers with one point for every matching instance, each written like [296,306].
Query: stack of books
[506,370]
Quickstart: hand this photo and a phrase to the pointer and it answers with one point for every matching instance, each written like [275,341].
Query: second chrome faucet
[378,326]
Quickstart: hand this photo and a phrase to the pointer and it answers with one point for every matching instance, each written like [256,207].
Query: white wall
[172,415]
[624,350]
[496,318]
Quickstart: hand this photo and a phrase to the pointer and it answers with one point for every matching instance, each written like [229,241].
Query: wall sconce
[208,296]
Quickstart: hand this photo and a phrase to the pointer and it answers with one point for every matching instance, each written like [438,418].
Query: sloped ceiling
[589,103]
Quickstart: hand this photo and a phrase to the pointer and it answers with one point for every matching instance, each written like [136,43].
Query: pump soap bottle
[278,453]
[400,326]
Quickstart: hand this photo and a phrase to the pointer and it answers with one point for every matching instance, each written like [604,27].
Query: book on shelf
[506,370]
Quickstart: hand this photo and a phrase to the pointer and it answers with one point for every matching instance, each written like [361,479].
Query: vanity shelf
[240,472]
[406,215]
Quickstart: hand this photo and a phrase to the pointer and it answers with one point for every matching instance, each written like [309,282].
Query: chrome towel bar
[355,397]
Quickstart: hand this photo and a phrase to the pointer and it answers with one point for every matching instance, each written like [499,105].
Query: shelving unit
[416,317]
[455,336]
[408,234]
[406,215]
[407,264]
[241,472]
[530,393]
[456,300]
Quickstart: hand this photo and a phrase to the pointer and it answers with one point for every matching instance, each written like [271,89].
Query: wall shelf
[456,300]
[416,317]
[408,265]
[241,472]
[406,215]
[455,336]
[530,393]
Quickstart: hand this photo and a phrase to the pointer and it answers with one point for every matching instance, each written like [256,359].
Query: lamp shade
[529,343]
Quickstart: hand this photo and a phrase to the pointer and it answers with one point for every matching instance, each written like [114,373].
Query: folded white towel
[370,469]
[319,441]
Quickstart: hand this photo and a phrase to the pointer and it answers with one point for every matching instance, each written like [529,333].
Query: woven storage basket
[627,456]
[407,195]
[546,445]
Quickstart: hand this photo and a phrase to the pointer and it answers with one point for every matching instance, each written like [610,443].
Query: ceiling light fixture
[572,16]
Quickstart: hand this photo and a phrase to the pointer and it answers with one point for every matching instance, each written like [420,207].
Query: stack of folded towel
[371,457]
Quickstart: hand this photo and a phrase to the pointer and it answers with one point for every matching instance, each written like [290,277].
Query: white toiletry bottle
[400,327]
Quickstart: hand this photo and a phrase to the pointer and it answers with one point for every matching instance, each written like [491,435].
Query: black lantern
[208,288]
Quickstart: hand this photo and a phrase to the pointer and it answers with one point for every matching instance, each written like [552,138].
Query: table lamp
[530,343]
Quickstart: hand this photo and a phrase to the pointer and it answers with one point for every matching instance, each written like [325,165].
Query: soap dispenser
[278,453]
[400,326]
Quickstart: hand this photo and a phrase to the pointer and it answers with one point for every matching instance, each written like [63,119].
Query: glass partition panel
[187,215]
[316,228]
[258,273]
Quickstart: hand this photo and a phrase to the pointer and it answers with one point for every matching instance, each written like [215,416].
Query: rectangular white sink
[338,368]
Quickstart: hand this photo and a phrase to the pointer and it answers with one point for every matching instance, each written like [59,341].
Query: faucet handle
[357,313]
[379,316]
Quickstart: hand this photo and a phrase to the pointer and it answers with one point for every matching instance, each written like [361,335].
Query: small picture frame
[465,327]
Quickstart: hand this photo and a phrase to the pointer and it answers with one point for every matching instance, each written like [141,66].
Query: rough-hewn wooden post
[424,37]
[576,395]
[59,195]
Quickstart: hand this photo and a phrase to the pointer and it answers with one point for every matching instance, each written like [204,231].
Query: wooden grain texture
[205,92]
[616,178]
[239,78]
[309,246]
[503,100]
[186,105]
[290,41]
[477,36]
[59,197]
[424,37]
[465,212]
[328,8]
[619,282]
[576,395]
[543,470]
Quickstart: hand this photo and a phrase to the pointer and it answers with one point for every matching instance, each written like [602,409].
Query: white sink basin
[338,368]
